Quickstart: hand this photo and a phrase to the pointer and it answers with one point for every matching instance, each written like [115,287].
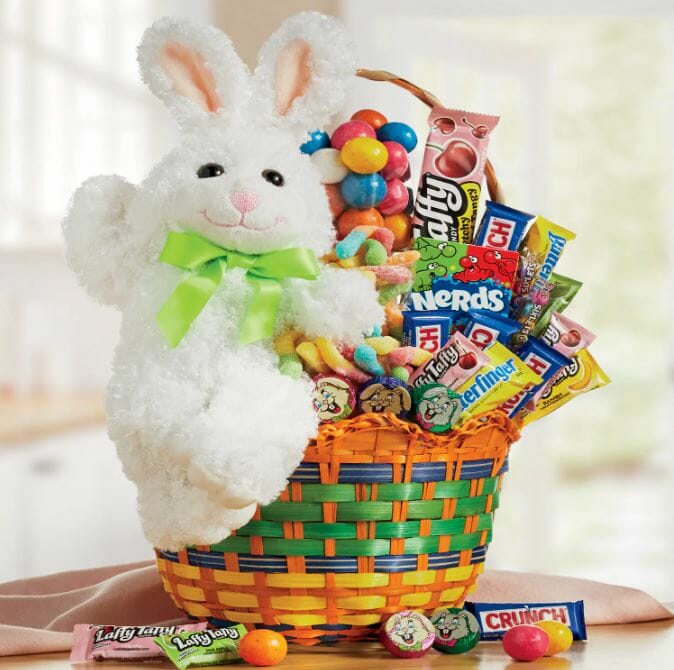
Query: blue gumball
[363,190]
[401,133]
[318,139]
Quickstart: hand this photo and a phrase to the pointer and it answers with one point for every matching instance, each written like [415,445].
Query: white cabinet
[65,505]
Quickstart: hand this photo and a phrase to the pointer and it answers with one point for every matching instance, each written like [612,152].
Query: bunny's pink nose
[245,201]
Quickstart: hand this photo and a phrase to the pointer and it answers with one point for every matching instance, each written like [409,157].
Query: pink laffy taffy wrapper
[451,175]
[122,643]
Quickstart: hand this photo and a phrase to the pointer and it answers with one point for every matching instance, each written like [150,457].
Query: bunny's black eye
[210,170]
[273,177]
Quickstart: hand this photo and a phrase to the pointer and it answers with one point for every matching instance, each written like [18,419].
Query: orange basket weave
[380,516]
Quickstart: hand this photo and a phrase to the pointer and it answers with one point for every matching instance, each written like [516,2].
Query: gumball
[371,117]
[335,200]
[318,139]
[561,637]
[330,165]
[397,161]
[347,131]
[358,217]
[263,647]
[395,199]
[526,642]
[397,132]
[364,155]
[363,190]
[401,227]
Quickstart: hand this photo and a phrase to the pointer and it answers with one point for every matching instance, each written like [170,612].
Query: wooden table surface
[643,646]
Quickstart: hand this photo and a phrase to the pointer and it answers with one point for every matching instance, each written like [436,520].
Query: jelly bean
[396,198]
[365,357]
[375,253]
[347,131]
[318,139]
[308,352]
[397,132]
[336,361]
[329,163]
[525,642]
[401,226]
[561,637]
[397,162]
[335,200]
[364,155]
[370,116]
[382,345]
[353,218]
[363,190]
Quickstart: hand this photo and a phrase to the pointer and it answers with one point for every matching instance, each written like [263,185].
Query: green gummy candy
[199,649]
[375,252]
[399,372]
[388,293]
[290,365]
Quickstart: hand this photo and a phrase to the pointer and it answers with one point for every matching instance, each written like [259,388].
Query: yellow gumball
[561,637]
[364,155]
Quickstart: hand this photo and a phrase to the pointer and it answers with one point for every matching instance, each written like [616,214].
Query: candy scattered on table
[560,636]
[456,630]
[407,634]
[263,647]
[217,646]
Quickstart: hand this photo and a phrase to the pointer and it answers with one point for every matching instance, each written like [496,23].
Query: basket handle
[493,185]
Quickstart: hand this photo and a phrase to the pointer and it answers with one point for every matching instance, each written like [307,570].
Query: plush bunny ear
[303,72]
[194,69]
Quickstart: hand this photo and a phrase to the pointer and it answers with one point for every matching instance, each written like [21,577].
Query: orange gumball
[401,227]
[335,200]
[263,647]
[358,217]
[372,117]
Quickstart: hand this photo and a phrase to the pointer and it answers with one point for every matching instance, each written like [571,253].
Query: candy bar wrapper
[122,643]
[501,227]
[567,336]
[496,619]
[543,360]
[539,254]
[583,374]
[456,362]
[451,175]
[202,649]
[427,330]
[483,329]
[504,376]
[563,291]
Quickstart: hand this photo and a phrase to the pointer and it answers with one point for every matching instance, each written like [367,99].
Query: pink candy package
[122,643]
[451,175]
[456,362]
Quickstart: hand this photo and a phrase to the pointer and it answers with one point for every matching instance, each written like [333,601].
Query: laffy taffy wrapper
[203,649]
[504,376]
[451,174]
[539,254]
[583,374]
[93,642]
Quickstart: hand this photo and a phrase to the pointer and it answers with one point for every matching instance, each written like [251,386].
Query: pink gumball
[395,199]
[397,161]
[526,642]
[347,131]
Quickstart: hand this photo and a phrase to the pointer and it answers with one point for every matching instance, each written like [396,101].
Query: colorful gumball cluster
[364,166]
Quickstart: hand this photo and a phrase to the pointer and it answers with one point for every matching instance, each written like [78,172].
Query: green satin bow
[208,262]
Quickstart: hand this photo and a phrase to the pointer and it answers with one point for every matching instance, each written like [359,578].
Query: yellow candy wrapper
[500,379]
[583,374]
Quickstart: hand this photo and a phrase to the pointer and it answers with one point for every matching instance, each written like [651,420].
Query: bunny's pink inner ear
[293,74]
[189,75]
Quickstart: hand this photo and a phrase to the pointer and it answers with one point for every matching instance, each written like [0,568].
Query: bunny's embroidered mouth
[277,221]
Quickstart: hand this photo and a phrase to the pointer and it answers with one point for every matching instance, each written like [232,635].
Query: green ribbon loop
[208,262]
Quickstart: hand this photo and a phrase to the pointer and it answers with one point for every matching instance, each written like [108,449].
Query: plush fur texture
[209,429]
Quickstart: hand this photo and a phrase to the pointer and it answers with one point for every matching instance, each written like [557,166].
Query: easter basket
[379,517]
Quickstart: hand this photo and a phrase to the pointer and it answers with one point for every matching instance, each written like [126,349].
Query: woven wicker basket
[379,517]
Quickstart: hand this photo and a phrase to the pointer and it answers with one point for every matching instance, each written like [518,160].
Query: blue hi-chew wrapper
[427,330]
[483,329]
[501,227]
[497,618]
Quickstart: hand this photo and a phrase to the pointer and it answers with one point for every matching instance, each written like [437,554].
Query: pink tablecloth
[38,615]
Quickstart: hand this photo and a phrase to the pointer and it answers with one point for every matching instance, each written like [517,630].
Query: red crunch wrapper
[122,643]
[451,175]
[497,618]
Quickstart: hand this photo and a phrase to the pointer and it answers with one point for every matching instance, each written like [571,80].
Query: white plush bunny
[209,428]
